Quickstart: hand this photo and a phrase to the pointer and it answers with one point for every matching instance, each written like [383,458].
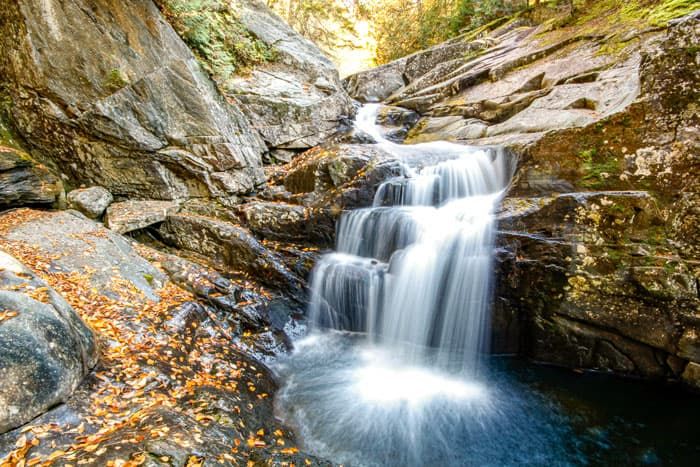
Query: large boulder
[45,348]
[326,181]
[278,221]
[340,176]
[292,93]
[90,201]
[127,216]
[109,93]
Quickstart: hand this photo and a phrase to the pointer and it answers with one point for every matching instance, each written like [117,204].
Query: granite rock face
[598,251]
[136,115]
[297,101]
[598,266]
[45,348]
[291,93]
[228,246]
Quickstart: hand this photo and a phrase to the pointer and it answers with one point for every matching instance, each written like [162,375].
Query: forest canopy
[395,27]
[385,30]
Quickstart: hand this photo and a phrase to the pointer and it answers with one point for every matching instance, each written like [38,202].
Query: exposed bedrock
[136,115]
[293,96]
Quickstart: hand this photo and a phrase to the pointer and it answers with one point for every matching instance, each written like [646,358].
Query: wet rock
[216,290]
[396,122]
[595,284]
[45,348]
[23,182]
[665,283]
[91,201]
[127,216]
[329,180]
[229,246]
[139,117]
[390,115]
[341,176]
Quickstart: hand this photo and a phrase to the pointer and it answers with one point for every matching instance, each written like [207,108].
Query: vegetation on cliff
[213,32]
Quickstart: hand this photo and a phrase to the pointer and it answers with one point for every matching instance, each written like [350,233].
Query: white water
[414,270]
[406,294]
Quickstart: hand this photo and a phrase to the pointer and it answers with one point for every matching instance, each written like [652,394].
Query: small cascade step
[416,267]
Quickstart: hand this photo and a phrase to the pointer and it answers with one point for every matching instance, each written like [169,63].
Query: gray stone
[76,243]
[45,348]
[90,201]
[278,221]
[136,115]
[230,247]
[128,216]
[23,182]
[453,128]
[377,84]
[297,100]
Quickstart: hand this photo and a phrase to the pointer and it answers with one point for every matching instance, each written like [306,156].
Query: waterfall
[414,270]
[396,380]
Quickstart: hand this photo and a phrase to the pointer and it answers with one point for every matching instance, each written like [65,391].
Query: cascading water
[390,375]
[414,270]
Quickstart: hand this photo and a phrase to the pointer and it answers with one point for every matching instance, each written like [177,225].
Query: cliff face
[598,257]
[111,95]
[288,89]
[108,93]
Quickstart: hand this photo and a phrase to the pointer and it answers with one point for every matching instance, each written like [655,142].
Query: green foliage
[402,27]
[211,29]
[670,9]
[149,278]
[115,80]
[328,23]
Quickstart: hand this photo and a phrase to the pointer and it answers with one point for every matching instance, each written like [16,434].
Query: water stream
[394,371]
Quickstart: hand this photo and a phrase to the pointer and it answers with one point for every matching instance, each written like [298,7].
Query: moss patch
[115,80]
[213,31]
[667,10]
[597,168]
[8,138]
